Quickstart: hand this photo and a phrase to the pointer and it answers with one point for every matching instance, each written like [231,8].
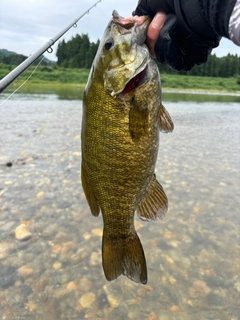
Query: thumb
[154,30]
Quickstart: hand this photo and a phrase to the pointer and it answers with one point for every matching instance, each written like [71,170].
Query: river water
[50,245]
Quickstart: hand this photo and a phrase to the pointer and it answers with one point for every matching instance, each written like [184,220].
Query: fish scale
[120,138]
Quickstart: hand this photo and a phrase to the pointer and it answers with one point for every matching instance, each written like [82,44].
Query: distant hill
[13,58]
[4,52]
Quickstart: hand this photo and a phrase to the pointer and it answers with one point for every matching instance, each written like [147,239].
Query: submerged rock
[22,233]
[8,276]
[87,299]
[199,288]
[25,271]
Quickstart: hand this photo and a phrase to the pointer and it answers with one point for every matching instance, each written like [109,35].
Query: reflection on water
[61,92]
[76,92]
[50,245]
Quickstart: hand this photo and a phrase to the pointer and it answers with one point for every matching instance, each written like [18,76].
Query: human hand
[171,40]
[153,31]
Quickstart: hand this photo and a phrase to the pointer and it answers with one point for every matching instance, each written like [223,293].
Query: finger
[154,30]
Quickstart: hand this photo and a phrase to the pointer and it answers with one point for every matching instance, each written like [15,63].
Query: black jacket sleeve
[214,14]
[217,13]
[192,29]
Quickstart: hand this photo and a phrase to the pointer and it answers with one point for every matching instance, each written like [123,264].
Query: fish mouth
[129,23]
[135,82]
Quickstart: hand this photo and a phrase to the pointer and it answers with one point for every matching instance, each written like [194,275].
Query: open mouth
[135,82]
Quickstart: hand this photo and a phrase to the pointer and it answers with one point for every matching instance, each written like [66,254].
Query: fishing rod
[10,77]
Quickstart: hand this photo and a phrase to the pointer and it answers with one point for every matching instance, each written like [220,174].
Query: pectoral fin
[155,204]
[91,199]
[165,123]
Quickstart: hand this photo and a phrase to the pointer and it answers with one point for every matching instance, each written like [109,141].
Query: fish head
[123,53]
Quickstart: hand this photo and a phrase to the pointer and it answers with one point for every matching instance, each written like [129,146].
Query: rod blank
[10,77]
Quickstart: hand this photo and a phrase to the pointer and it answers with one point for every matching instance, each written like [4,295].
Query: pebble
[199,288]
[87,299]
[138,225]
[57,249]
[174,308]
[237,286]
[8,276]
[67,246]
[168,235]
[95,259]
[31,306]
[22,233]
[152,316]
[77,154]
[132,315]
[63,261]
[172,280]
[97,232]
[50,230]
[86,236]
[174,244]
[41,284]
[25,271]
[57,265]
[65,277]
[112,301]
[190,302]
[8,182]
[4,247]
[169,259]
[71,286]
[40,194]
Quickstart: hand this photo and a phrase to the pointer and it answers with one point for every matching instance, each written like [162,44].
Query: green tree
[61,52]
[79,52]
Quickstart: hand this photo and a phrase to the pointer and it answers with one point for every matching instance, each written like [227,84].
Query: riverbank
[65,77]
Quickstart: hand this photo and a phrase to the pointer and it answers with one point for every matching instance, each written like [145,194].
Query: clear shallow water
[193,255]
[76,92]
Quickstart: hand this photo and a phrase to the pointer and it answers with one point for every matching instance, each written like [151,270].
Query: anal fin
[91,199]
[165,123]
[154,206]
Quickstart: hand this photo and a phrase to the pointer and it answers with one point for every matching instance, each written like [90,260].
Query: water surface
[55,272]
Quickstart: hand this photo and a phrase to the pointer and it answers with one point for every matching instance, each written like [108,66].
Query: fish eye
[109,43]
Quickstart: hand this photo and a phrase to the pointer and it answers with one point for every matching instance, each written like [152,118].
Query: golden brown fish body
[122,113]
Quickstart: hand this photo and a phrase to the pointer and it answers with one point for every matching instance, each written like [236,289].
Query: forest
[79,52]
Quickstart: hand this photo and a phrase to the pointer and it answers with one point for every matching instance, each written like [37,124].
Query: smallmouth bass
[122,116]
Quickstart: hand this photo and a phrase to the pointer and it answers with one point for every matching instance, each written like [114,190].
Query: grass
[200,83]
[55,76]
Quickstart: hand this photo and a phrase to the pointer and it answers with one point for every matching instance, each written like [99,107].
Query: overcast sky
[25,26]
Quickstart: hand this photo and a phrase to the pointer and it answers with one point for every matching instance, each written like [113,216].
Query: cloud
[25,26]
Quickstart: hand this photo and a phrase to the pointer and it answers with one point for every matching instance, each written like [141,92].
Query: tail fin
[124,256]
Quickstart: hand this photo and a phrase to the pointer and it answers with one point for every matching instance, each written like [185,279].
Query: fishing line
[9,78]
[23,82]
